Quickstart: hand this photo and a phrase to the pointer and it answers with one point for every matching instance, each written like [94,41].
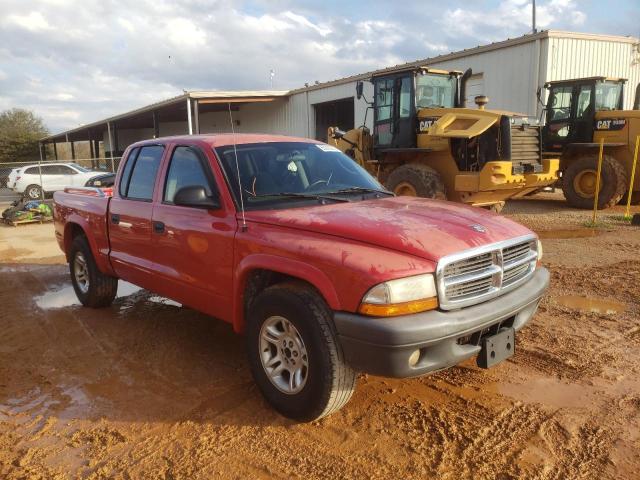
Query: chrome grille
[482,273]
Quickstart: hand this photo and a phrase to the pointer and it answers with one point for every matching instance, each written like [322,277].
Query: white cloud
[33,21]
[183,32]
[511,16]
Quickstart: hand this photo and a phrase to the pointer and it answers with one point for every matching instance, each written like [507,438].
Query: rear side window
[142,177]
[126,173]
[186,170]
[31,171]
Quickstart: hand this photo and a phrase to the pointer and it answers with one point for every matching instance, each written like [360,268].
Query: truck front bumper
[383,346]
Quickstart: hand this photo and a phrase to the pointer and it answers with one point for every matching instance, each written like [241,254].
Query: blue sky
[76,61]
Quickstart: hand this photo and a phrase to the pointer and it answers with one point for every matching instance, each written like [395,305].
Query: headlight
[400,297]
[539,251]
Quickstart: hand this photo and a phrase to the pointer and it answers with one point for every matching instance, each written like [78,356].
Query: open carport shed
[190,113]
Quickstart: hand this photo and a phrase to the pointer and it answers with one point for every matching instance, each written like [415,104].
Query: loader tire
[579,182]
[416,180]
[93,288]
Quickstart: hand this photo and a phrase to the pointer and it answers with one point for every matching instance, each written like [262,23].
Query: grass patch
[621,218]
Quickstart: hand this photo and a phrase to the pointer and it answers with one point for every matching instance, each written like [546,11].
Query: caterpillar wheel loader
[578,114]
[426,143]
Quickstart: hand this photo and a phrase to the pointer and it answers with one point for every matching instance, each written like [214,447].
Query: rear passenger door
[130,212]
[193,246]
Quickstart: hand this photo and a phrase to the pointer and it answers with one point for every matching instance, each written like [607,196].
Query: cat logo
[611,124]
[425,123]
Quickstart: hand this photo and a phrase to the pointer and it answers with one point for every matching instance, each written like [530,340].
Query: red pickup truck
[296,246]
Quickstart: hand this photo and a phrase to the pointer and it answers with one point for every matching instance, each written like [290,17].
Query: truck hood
[422,227]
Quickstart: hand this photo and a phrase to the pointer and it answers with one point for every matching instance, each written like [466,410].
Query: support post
[111,145]
[189,116]
[73,150]
[595,197]
[116,142]
[55,150]
[156,124]
[196,111]
[627,213]
[40,172]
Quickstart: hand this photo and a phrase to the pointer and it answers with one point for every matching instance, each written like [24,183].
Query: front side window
[608,96]
[64,170]
[278,174]
[143,173]
[185,170]
[560,103]
[433,91]
[405,97]
[584,108]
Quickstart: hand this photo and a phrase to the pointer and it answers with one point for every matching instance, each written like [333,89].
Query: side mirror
[195,196]
[359,89]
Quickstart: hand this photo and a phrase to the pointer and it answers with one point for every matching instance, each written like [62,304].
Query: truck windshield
[434,91]
[293,174]
[608,95]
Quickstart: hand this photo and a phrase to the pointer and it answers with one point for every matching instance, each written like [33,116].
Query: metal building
[508,72]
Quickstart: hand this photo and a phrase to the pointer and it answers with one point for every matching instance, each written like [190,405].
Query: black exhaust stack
[636,103]
[462,89]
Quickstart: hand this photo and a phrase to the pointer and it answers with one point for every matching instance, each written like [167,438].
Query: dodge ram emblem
[478,228]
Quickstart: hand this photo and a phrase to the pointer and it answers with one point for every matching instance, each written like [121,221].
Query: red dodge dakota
[299,248]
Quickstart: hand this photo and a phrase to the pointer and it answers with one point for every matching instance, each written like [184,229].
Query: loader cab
[571,108]
[399,95]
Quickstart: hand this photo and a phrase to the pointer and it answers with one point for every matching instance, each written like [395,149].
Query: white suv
[55,176]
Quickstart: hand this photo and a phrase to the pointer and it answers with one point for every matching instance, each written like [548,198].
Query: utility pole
[533,15]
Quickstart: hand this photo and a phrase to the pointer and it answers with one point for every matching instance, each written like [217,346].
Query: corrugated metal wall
[575,58]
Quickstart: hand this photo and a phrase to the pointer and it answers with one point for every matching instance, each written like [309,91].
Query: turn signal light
[395,309]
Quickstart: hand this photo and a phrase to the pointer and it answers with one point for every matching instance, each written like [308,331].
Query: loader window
[434,91]
[560,103]
[584,110]
[608,96]
[384,99]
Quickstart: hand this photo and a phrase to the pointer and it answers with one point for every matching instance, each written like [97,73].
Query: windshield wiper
[361,190]
[311,196]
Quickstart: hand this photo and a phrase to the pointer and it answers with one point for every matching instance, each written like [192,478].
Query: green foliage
[20,131]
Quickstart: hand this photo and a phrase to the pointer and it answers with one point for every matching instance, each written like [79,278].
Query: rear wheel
[635,198]
[93,288]
[33,192]
[416,180]
[580,178]
[294,354]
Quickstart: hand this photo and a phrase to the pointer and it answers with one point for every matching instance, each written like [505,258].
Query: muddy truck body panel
[304,252]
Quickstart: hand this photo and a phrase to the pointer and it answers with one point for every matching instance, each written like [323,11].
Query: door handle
[158,227]
[115,218]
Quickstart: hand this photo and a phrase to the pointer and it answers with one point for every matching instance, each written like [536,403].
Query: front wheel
[416,180]
[294,354]
[93,288]
[580,177]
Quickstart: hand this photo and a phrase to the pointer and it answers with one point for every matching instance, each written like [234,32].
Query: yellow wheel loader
[426,143]
[578,114]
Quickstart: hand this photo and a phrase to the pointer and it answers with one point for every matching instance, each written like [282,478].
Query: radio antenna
[235,152]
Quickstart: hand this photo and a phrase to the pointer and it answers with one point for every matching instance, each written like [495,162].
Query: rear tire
[93,288]
[635,198]
[33,192]
[416,180]
[579,179]
[322,382]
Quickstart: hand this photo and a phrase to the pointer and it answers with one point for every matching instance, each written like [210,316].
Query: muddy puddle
[66,297]
[590,304]
[569,233]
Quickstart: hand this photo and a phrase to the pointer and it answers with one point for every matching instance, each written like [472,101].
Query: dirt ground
[146,389]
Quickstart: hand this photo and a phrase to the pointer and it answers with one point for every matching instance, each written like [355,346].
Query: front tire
[579,181]
[294,354]
[416,180]
[93,288]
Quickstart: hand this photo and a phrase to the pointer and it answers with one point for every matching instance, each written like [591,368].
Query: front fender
[287,266]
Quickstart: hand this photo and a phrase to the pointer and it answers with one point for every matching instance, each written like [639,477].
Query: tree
[20,131]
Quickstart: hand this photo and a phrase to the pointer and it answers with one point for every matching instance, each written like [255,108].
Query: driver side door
[558,126]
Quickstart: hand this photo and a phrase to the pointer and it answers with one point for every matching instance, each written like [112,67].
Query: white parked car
[55,176]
